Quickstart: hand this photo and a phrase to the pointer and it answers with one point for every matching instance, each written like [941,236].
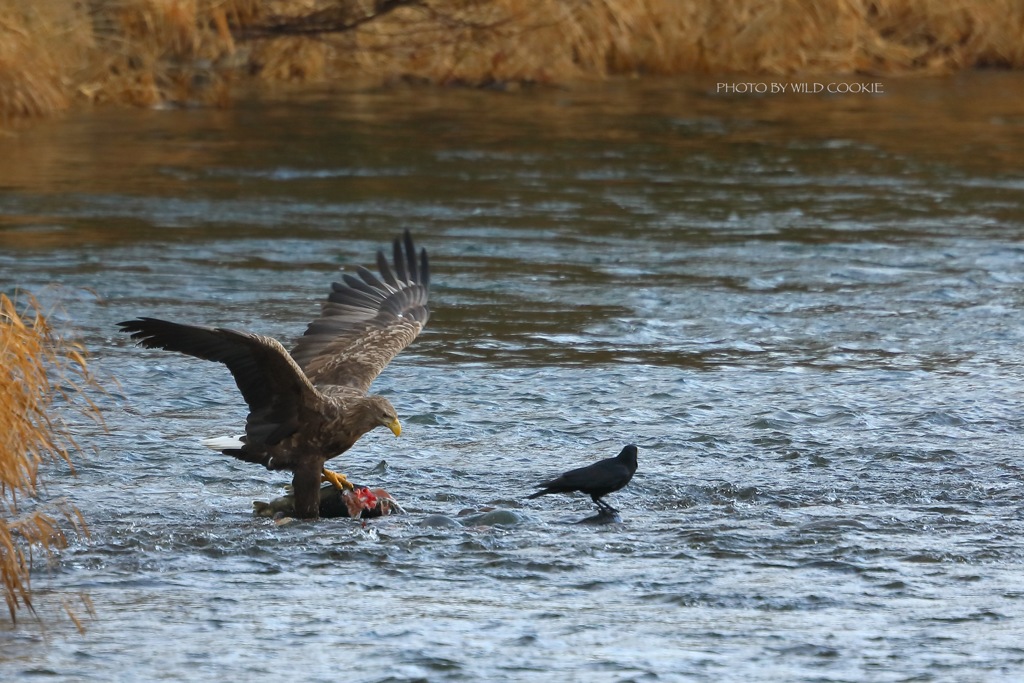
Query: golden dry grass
[152,52]
[36,367]
[34,51]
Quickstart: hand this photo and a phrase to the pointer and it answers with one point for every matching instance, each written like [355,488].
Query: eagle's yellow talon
[339,480]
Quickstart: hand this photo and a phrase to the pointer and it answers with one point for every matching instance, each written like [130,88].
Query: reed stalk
[38,369]
[173,52]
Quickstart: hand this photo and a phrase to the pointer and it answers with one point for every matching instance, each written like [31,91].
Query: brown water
[805,310]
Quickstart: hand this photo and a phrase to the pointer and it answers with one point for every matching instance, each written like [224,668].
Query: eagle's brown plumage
[310,405]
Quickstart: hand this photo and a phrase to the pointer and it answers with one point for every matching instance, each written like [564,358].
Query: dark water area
[805,310]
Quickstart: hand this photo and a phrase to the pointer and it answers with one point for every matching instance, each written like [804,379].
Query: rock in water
[496,517]
[603,516]
[439,522]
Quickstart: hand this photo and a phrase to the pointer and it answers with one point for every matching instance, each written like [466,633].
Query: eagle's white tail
[221,443]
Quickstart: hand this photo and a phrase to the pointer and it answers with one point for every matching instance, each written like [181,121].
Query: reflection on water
[805,310]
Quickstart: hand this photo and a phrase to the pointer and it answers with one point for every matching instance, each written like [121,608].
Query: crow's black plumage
[597,480]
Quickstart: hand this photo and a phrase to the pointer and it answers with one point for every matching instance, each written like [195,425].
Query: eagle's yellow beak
[395,426]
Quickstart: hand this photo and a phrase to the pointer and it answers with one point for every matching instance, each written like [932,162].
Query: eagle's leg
[339,480]
[306,489]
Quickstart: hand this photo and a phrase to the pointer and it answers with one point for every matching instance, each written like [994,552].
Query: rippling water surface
[806,311]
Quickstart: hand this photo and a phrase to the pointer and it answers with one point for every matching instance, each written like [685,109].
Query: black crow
[598,480]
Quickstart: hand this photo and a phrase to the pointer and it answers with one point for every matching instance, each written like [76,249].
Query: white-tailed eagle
[311,404]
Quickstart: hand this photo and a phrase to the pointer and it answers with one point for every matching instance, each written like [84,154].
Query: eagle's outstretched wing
[271,383]
[367,320]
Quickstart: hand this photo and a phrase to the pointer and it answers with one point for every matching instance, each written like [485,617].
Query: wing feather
[385,269]
[410,258]
[402,273]
[274,387]
[424,269]
[367,320]
[373,281]
[355,283]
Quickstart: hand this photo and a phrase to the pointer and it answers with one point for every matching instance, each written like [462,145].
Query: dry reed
[36,367]
[155,52]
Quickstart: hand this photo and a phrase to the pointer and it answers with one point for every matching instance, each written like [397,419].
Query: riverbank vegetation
[37,369]
[155,52]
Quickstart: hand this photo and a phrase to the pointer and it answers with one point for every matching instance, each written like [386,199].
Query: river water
[805,310]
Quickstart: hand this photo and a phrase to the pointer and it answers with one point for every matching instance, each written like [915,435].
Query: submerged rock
[493,518]
[474,518]
[439,522]
[602,517]
[361,501]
